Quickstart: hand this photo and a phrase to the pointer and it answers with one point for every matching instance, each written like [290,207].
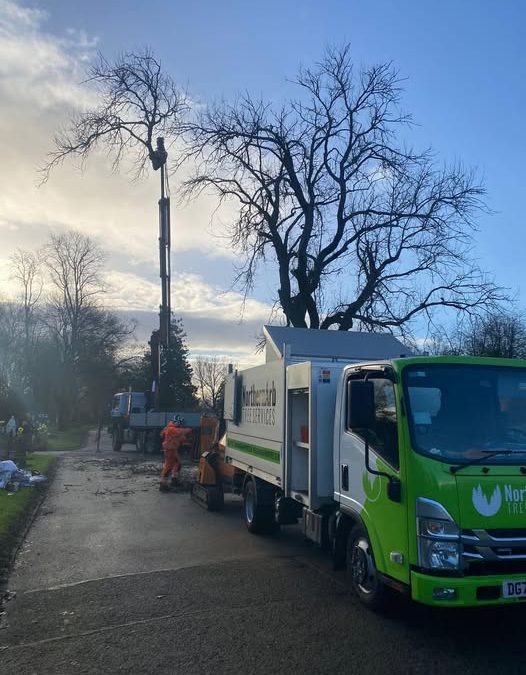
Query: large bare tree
[135,102]
[361,230]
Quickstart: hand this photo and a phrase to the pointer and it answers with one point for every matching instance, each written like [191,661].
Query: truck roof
[307,343]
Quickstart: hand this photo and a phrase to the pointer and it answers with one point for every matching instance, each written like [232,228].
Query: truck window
[458,412]
[383,436]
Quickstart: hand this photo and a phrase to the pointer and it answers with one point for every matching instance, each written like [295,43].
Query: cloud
[41,86]
[216,322]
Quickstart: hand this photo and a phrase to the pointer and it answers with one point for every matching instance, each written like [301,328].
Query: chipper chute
[207,491]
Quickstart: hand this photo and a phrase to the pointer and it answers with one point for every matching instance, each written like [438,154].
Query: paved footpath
[117,577]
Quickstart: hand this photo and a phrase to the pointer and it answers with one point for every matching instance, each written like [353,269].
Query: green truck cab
[430,466]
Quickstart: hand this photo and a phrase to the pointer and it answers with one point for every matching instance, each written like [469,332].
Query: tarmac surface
[117,577]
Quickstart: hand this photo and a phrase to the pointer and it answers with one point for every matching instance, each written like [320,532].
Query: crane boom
[160,338]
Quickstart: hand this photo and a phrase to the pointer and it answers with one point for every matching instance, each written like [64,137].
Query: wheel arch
[347,519]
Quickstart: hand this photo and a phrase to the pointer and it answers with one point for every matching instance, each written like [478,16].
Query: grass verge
[17,510]
[71,439]
[13,506]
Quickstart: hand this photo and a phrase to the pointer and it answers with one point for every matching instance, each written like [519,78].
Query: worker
[173,435]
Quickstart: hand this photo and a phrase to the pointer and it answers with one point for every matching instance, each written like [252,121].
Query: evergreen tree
[177,391]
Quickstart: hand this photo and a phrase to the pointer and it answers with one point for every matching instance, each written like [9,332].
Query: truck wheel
[361,570]
[140,442]
[149,443]
[116,439]
[258,509]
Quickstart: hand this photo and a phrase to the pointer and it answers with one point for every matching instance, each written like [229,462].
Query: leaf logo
[372,490]
[484,506]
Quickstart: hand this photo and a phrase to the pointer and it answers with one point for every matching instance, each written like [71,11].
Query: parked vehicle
[410,470]
[132,423]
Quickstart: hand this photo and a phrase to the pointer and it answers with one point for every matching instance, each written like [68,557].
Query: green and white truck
[411,470]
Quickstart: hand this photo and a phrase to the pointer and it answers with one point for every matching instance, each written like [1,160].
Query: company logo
[485,506]
[258,404]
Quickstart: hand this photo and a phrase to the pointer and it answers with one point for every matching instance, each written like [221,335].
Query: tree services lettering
[258,406]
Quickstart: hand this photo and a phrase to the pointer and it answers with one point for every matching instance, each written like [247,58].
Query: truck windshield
[458,413]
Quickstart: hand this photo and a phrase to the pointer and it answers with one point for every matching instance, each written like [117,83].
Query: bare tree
[497,334]
[74,263]
[137,101]
[209,375]
[26,270]
[364,231]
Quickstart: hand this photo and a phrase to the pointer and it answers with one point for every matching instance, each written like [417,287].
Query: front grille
[512,533]
[501,533]
[487,569]
[495,551]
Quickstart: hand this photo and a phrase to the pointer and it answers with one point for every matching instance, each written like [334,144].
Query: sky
[464,64]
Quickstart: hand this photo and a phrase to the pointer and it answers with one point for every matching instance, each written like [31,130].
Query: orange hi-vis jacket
[173,437]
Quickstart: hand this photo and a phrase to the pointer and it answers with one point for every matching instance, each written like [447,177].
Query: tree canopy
[363,230]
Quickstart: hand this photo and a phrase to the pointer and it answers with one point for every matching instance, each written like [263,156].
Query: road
[117,577]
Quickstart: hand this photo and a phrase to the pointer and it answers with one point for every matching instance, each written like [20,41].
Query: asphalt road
[117,577]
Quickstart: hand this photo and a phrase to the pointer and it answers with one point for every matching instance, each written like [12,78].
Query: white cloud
[40,87]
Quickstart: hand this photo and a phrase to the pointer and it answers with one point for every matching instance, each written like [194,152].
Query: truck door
[364,493]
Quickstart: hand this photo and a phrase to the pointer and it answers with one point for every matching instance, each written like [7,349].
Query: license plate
[514,589]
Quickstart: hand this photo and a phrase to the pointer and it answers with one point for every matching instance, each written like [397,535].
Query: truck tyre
[258,508]
[140,442]
[149,443]
[116,439]
[361,570]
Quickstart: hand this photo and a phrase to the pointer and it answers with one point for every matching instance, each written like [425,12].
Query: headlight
[439,555]
[438,536]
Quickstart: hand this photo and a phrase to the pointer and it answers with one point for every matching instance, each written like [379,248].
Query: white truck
[411,470]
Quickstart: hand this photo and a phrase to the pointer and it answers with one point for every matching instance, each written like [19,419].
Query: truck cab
[430,478]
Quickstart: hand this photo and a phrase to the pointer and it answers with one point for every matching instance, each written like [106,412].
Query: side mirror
[360,404]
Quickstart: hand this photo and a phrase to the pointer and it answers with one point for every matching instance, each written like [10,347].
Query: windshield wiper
[488,454]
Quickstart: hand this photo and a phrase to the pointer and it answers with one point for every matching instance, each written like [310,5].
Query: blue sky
[464,63]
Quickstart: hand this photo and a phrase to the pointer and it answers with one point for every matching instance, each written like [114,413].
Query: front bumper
[470,591]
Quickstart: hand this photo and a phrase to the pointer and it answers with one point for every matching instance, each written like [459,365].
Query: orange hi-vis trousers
[173,437]
[171,466]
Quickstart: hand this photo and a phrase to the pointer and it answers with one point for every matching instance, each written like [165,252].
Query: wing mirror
[360,404]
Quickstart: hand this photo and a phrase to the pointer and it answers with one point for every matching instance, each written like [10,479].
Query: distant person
[10,427]
[10,430]
[173,435]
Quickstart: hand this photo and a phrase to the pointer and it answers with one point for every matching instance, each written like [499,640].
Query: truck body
[411,470]
[132,422]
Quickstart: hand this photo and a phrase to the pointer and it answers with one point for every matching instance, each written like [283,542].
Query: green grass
[12,507]
[71,439]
